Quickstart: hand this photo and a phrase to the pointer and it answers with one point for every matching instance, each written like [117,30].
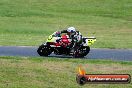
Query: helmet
[71,29]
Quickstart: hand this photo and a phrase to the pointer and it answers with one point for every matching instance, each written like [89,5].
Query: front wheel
[44,50]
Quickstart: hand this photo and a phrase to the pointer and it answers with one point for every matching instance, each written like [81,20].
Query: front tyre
[44,50]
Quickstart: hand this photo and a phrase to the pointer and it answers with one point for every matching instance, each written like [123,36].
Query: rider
[75,36]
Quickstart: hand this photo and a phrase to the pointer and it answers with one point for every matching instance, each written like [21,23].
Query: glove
[58,40]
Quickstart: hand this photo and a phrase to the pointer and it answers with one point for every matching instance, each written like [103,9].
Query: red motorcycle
[61,45]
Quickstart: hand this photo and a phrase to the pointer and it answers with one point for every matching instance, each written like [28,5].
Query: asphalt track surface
[109,54]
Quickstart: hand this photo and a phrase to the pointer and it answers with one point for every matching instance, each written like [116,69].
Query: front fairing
[53,38]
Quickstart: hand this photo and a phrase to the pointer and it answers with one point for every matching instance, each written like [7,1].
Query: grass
[30,22]
[36,72]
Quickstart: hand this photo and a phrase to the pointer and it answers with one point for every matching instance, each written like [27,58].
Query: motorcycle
[61,45]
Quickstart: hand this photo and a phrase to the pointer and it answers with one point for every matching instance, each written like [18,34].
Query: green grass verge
[35,72]
[30,22]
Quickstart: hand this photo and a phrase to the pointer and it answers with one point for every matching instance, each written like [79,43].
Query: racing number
[50,37]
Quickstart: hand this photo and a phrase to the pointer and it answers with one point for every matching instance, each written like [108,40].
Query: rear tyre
[84,50]
[81,52]
[44,50]
[76,54]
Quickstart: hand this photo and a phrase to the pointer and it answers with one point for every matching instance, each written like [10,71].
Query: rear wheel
[81,52]
[76,54]
[84,50]
[44,50]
